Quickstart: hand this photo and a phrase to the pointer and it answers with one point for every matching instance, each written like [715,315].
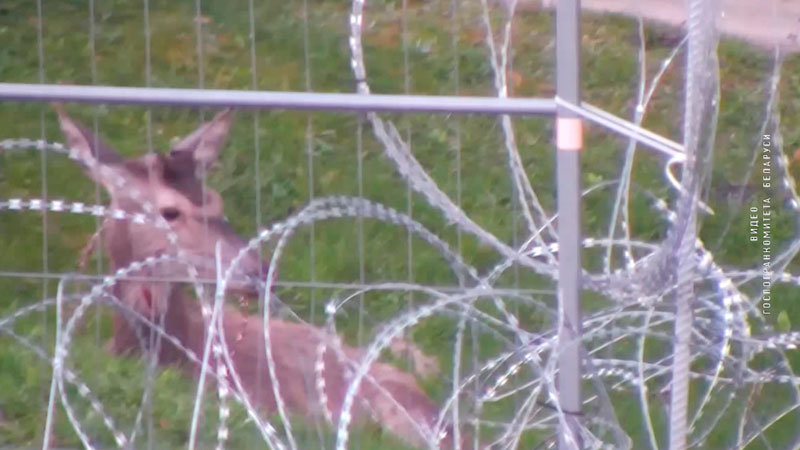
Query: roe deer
[172,183]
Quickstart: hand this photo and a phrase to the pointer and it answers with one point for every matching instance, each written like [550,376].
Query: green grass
[609,80]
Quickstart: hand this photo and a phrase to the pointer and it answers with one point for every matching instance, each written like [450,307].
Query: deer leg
[422,364]
[128,338]
[131,335]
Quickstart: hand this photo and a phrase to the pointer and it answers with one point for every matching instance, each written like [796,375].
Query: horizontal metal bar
[277,99]
[438,104]
[625,128]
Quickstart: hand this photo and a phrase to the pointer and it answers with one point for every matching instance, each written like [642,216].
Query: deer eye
[170,214]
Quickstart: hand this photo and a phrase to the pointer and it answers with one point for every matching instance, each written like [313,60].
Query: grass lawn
[266,174]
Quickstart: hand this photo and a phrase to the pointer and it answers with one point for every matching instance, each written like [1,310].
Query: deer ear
[92,152]
[206,142]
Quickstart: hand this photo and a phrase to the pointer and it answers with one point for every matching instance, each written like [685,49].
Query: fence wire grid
[446,224]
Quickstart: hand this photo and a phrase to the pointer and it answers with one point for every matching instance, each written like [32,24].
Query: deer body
[170,186]
[295,354]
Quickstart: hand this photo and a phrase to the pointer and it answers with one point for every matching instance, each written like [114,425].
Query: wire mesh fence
[365,254]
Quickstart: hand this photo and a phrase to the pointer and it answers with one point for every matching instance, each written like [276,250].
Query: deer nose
[256,278]
[261,277]
[265,272]
[262,272]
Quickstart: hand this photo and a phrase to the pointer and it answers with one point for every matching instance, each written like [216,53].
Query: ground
[770,23]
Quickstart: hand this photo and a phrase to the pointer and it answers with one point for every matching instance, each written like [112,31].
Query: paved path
[763,22]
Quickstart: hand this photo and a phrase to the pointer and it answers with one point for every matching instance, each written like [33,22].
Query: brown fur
[171,183]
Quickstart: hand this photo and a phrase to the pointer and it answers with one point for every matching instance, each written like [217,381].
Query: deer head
[184,215]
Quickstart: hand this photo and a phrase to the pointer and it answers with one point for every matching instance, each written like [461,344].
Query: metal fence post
[569,142]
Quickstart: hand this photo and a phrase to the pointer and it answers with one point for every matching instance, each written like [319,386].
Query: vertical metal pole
[569,142]
[701,85]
